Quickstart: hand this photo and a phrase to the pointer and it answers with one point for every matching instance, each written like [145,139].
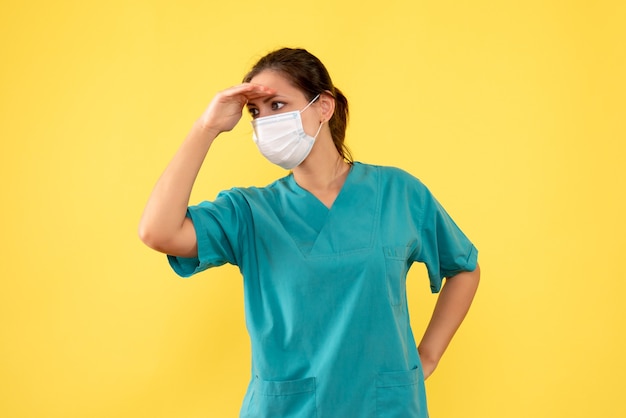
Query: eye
[254,112]
[277,105]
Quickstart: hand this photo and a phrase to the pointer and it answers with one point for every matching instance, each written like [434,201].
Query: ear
[327,106]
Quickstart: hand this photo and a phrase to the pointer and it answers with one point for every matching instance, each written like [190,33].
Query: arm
[452,306]
[164,225]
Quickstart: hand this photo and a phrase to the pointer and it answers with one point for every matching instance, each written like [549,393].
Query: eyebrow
[267,99]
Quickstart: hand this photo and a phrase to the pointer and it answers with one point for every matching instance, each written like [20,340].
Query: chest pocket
[395,273]
[288,399]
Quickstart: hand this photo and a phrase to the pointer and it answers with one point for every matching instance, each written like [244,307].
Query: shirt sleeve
[219,226]
[444,248]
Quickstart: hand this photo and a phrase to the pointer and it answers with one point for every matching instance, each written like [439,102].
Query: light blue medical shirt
[325,294]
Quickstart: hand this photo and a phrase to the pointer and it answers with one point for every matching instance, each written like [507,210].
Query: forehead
[277,81]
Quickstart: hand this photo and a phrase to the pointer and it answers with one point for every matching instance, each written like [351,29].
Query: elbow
[145,235]
[151,236]
[178,242]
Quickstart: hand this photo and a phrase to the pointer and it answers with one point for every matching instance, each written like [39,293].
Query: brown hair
[306,72]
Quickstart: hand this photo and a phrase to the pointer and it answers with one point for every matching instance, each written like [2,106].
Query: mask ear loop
[319,129]
[310,103]
[321,123]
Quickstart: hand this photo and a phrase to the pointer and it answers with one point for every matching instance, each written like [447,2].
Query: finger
[249,91]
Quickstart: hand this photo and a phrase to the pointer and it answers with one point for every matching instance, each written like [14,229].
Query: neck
[325,175]
[324,171]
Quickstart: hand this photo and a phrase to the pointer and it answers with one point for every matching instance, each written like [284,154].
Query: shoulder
[255,194]
[395,176]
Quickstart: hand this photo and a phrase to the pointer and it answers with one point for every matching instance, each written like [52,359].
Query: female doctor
[324,251]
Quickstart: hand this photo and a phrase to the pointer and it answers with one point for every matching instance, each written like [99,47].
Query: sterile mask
[281,138]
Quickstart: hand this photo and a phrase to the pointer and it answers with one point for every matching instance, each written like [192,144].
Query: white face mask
[281,138]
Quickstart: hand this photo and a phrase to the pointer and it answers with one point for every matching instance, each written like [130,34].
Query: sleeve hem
[470,265]
[187,267]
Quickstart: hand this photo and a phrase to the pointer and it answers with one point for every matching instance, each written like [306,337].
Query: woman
[324,251]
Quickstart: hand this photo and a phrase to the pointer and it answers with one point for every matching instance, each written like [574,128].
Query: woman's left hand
[428,366]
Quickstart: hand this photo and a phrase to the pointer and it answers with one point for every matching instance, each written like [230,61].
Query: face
[287,99]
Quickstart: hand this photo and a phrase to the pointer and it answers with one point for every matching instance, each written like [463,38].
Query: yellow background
[512,112]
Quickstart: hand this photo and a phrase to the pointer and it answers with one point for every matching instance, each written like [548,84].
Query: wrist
[429,362]
[206,130]
[427,355]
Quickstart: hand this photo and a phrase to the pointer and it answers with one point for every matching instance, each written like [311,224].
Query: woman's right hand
[225,110]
